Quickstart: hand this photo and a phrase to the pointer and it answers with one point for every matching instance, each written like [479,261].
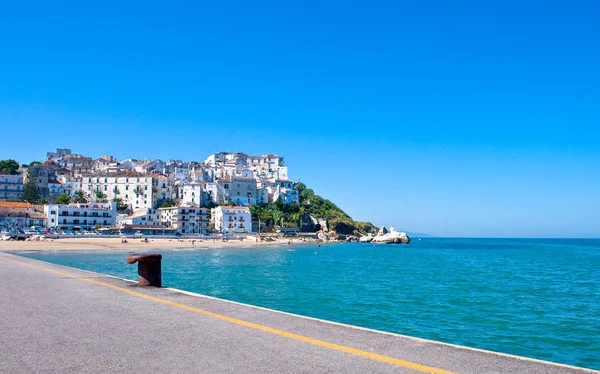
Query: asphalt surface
[54,319]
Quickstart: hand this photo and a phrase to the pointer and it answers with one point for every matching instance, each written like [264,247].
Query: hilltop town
[228,193]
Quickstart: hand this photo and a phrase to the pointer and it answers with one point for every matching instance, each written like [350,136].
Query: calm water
[535,298]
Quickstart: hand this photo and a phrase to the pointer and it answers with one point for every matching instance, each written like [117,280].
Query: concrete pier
[57,319]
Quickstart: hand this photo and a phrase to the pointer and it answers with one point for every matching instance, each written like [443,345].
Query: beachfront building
[19,215]
[187,219]
[143,217]
[11,186]
[232,219]
[76,217]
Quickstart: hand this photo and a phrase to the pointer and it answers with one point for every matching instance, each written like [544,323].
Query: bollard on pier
[149,271]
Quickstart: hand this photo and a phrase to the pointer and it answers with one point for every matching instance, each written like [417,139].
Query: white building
[136,191]
[11,186]
[186,219]
[143,217]
[232,220]
[80,216]
[216,193]
[192,194]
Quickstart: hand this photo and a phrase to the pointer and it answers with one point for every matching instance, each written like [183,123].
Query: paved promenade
[61,320]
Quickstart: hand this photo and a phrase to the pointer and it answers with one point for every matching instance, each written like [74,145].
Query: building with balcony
[11,187]
[188,219]
[135,190]
[232,219]
[80,216]
[19,215]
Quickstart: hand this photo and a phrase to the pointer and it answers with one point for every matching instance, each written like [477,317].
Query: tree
[101,197]
[80,197]
[9,167]
[120,205]
[34,163]
[44,201]
[30,190]
[63,199]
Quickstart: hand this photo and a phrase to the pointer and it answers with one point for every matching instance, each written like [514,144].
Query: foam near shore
[90,244]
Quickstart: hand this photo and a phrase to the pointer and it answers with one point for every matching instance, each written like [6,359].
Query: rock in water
[382,231]
[366,239]
[392,237]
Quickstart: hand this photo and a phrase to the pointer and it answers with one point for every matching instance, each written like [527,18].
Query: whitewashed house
[80,216]
[186,219]
[137,192]
[232,220]
[143,217]
[192,194]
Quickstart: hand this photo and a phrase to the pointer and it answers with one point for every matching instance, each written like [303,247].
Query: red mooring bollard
[149,272]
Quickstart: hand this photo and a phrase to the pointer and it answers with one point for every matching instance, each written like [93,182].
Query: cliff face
[336,219]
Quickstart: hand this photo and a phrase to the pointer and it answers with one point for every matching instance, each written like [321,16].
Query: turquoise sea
[534,298]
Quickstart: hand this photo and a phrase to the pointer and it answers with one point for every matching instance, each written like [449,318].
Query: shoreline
[114,244]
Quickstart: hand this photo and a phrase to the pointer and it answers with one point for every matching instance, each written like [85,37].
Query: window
[145,188]
[105,187]
[127,188]
[52,212]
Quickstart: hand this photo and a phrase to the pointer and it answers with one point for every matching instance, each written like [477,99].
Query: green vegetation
[120,205]
[35,163]
[280,215]
[80,197]
[9,167]
[63,199]
[30,190]
[337,219]
[101,197]
[168,204]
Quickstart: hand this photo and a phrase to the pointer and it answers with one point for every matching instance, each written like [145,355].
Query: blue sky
[461,118]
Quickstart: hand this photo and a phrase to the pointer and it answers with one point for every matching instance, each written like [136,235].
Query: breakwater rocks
[386,237]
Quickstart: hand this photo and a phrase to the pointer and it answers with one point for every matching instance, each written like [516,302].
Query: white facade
[216,193]
[137,192]
[192,194]
[232,220]
[186,219]
[80,216]
[143,217]
[11,186]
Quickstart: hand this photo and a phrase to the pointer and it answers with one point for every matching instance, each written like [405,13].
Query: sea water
[534,298]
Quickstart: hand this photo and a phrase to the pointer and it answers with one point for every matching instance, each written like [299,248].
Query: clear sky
[455,118]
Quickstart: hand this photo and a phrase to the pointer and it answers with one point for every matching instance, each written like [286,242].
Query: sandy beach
[90,244]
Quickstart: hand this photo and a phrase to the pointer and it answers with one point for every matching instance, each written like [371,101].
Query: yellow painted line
[306,339]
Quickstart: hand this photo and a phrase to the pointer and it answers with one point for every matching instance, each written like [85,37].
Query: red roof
[11,204]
